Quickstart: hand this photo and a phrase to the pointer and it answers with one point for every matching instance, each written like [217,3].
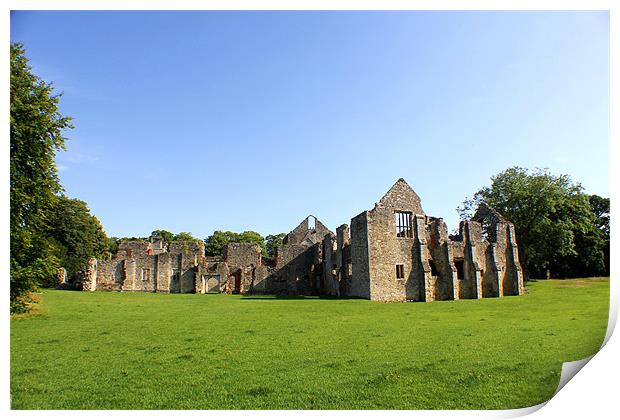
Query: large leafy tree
[600,208]
[184,236]
[215,244]
[36,127]
[554,223]
[166,235]
[272,242]
[77,234]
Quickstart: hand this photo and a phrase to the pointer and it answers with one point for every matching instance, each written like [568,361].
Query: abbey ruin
[394,253]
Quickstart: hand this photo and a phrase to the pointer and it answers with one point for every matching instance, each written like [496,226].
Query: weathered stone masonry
[393,252]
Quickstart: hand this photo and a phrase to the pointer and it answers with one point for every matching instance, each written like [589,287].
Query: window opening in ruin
[311,223]
[434,271]
[175,277]
[485,227]
[460,271]
[146,274]
[403,224]
[349,269]
[400,271]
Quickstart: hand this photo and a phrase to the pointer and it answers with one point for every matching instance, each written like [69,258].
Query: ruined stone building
[394,252]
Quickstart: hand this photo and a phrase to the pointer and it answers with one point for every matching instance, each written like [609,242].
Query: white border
[592,394]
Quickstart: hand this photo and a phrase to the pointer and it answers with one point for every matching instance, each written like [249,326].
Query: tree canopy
[167,236]
[215,244]
[184,236]
[554,221]
[76,233]
[36,127]
[272,242]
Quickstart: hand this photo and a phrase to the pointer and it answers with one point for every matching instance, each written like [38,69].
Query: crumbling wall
[387,250]
[343,262]
[61,276]
[512,280]
[331,284]
[442,260]
[299,260]
[89,275]
[393,252]
[213,275]
[360,256]
[244,260]
[474,259]
[504,274]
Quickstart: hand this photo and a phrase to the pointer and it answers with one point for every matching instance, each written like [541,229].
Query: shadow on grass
[298,297]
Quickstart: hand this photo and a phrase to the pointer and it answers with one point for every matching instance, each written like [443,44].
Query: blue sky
[197,121]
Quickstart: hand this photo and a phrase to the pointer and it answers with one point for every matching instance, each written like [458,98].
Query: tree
[272,242]
[251,237]
[78,235]
[184,236]
[215,244]
[166,235]
[36,127]
[113,245]
[554,223]
[600,208]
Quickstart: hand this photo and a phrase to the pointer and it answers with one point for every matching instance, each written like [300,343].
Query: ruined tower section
[392,253]
[441,261]
[470,283]
[246,273]
[503,275]
[151,266]
[389,248]
[337,265]
[400,254]
[299,265]
[212,276]
[360,256]
[344,266]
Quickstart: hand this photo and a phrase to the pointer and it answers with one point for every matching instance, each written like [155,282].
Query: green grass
[154,351]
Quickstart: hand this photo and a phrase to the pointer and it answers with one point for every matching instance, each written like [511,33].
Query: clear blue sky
[197,121]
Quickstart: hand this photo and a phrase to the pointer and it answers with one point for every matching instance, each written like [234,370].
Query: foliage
[167,236]
[554,223]
[36,127]
[113,244]
[367,355]
[77,234]
[272,242]
[252,237]
[600,208]
[184,236]
[215,244]
[25,279]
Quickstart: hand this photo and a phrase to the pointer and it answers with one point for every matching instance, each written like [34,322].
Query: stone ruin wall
[360,260]
[299,265]
[435,265]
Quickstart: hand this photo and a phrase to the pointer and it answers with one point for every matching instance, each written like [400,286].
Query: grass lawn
[154,351]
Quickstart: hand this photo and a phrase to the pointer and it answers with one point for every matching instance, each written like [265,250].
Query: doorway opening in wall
[434,271]
[211,283]
[460,269]
[237,281]
[175,286]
